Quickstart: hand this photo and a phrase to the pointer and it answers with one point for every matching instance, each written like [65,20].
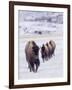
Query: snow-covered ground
[51,68]
[33,28]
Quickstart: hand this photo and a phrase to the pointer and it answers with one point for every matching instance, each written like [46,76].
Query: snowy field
[51,68]
[49,31]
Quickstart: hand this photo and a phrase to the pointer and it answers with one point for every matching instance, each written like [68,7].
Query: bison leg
[50,53]
[54,54]
[43,57]
[32,66]
[29,66]
[37,63]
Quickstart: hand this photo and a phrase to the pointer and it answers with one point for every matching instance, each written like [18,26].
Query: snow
[49,69]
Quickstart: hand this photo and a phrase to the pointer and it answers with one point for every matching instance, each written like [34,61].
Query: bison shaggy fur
[32,56]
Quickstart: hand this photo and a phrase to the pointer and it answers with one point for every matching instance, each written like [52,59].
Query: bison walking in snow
[32,56]
[47,50]
[44,52]
[53,45]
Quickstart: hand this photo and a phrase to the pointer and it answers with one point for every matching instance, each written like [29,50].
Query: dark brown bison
[44,52]
[32,56]
[47,50]
[53,45]
[50,49]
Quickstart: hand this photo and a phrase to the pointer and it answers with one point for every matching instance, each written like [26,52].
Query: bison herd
[32,53]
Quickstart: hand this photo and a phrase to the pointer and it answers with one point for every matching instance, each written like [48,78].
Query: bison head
[35,49]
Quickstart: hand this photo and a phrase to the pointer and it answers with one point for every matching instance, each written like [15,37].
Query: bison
[47,50]
[32,56]
[50,49]
[53,45]
[44,52]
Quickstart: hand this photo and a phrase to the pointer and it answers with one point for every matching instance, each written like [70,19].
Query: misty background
[39,22]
